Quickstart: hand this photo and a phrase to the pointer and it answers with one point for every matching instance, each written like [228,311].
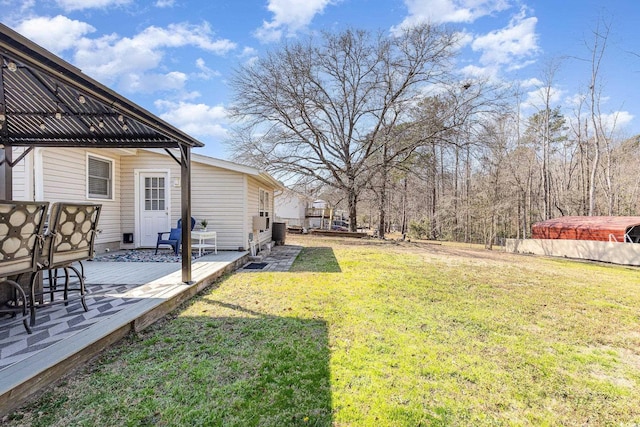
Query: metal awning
[47,102]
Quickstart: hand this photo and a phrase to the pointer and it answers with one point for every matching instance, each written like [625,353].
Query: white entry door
[153,205]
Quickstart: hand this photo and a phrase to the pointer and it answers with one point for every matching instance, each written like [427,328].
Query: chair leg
[19,295]
[53,282]
[82,269]
[32,299]
[81,285]
[65,291]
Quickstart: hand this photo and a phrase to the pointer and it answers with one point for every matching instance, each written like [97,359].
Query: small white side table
[202,237]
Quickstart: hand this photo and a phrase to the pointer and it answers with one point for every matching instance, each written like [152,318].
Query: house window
[265,207]
[100,178]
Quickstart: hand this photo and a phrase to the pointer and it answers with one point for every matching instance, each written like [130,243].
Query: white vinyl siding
[216,195]
[227,198]
[253,206]
[65,180]
[22,176]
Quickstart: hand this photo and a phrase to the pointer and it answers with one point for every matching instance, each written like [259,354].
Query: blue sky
[174,57]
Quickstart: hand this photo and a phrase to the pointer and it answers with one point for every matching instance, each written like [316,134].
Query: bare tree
[316,108]
[598,48]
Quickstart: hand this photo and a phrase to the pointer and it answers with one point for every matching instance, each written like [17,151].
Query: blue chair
[175,236]
[193,223]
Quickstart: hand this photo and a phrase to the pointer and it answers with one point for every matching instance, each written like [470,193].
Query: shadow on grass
[231,367]
[318,259]
[264,370]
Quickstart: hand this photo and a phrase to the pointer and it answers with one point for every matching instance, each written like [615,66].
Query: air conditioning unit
[260,223]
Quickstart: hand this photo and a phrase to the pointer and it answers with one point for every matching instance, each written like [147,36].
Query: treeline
[493,184]
[385,127]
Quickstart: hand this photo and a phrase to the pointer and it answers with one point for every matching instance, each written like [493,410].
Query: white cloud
[130,63]
[509,45]
[152,82]
[615,120]
[56,34]
[475,72]
[445,11]
[575,100]
[205,73]
[289,17]
[538,98]
[249,56]
[529,83]
[71,5]
[179,35]
[248,52]
[165,3]
[200,120]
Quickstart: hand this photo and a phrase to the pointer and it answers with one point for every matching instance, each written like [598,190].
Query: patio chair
[70,239]
[175,236]
[193,223]
[21,226]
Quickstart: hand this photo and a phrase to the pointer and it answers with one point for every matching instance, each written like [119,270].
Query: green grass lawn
[364,333]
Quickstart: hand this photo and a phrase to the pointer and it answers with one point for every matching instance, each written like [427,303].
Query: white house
[140,193]
[292,207]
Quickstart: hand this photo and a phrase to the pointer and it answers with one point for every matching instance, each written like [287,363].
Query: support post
[6,177]
[185,208]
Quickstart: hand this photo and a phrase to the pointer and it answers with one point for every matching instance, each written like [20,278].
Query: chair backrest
[72,233]
[21,226]
[175,234]
[193,223]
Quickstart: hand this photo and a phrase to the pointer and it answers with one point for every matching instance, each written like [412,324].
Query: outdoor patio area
[122,297]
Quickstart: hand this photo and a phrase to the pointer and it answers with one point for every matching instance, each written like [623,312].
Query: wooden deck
[124,297]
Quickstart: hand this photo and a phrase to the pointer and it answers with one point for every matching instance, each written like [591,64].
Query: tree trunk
[352,196]
[382,211]
[404,208]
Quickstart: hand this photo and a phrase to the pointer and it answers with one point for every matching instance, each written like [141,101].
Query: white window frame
[264,206]
[111,163]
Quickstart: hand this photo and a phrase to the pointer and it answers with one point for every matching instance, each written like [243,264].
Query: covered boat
[601,228]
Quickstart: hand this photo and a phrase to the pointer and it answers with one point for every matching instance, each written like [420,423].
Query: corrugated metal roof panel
[602,228]
[45,101]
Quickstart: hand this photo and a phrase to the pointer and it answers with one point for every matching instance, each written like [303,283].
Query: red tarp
[603,228]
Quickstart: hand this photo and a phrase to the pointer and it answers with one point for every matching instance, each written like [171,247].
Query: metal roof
[47,102]
[603,228]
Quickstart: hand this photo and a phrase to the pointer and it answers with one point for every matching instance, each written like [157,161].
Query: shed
[600,228]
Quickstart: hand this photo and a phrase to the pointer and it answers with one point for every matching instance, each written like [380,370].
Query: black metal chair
[175,236]
[21,226]
[70,239]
